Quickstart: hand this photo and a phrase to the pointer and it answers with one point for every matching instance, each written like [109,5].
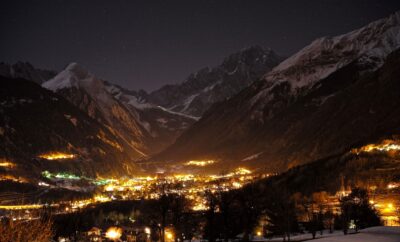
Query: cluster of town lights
[199,162]
[6,164]
[393,185]
[7,177]
[57,156]
[21,207]
[385,146]
[193,187]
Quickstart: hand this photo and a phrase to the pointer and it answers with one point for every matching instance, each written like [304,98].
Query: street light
[169,235]
[114,233]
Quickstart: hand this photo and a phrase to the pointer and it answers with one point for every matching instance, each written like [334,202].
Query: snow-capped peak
[325,55]
[73,65]
[73,75]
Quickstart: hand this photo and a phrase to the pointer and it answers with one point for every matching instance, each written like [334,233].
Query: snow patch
[178,113]
[252,157]
[68,78]
[133,101]
[211,87]
[188,101]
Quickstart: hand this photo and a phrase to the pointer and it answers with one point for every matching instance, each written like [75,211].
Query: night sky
[146,44]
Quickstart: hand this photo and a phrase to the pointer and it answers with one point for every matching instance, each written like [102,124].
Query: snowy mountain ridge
[299,111]
[210,85]
[89,93]
[136,100]
[72,76]
[327,54]
[368,45]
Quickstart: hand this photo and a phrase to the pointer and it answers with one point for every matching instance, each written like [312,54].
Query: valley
[259,146]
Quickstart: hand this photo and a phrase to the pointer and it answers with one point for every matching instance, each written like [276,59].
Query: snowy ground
[374,234]
[303,237]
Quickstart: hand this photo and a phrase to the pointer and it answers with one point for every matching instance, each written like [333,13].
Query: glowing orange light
[242,171]
[169,235]
[7,164]
[57,156]
[236,185]
[12,178]
[199,162]
[392,185]
[21,207]
[385,146]
[114,233]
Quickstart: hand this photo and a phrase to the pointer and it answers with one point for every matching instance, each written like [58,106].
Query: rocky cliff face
[210,85]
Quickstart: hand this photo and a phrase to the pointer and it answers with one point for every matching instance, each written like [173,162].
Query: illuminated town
[193,187]
[141,187]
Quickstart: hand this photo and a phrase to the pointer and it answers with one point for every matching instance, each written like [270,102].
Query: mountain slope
[89,93]
[207,86]
[36,122]
[301,110]
[146,128]
[163,125]
[152,122]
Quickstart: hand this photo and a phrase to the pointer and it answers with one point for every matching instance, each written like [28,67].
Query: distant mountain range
[254,110]
[107,127]
[334,94]
[210,85]
[147,128]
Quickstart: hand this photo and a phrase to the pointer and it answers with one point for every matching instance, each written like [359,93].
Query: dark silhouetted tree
[356,207]
[281,214]
[210,229]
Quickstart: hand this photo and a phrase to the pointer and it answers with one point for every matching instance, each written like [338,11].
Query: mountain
[35,123]
[25,71]
[333,94]
[210,85]
[89,93]
[152,122]
[146,128]
[163,125]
